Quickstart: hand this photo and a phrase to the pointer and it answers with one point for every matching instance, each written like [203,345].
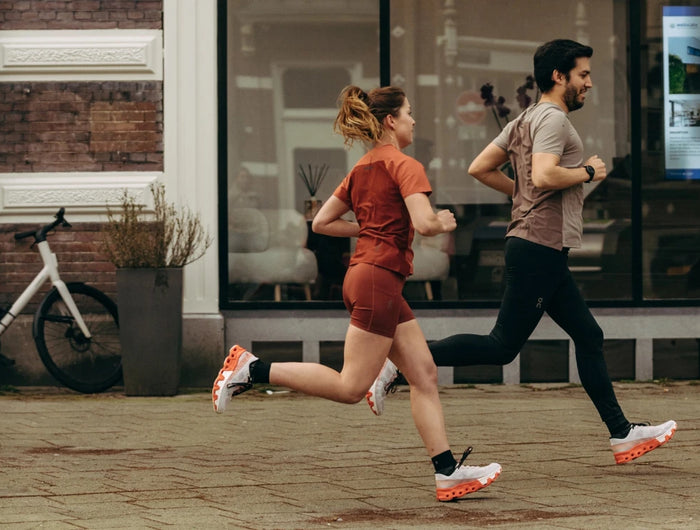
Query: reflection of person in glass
[241,193]
[547,154]
[388,193]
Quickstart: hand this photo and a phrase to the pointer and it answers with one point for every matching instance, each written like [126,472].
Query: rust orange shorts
[373,295]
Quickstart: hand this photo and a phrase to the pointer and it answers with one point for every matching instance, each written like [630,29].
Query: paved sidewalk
[283,460]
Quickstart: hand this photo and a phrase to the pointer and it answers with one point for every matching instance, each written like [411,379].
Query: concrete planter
[150,330]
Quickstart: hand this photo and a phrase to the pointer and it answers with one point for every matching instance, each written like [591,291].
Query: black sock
[620,431]
[444,463]
[259,372]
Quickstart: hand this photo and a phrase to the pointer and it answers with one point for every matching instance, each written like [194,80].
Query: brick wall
[75,126]
[81,14]
[114,126]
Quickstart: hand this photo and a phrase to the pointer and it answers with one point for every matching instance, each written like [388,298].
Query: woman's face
[404,124]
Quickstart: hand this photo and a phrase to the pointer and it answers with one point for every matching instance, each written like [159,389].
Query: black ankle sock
[444,463]
[259,372]
[620,431]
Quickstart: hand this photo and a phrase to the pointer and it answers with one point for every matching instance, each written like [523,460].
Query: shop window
[544,361]
[442,58]
[619,358]
[278,351]
[287,63]
[677,359]
[670,158]
[331,353]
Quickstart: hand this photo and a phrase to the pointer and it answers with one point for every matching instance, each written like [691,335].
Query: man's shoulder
[550,118]
[547,111]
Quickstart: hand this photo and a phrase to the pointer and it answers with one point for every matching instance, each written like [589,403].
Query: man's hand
[600,171]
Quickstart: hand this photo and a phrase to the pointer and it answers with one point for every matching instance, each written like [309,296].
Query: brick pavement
[288,461]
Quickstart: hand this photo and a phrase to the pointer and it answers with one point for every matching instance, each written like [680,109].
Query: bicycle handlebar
[40,234]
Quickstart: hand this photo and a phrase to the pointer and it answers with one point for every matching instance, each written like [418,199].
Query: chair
[268,247]
[431,261]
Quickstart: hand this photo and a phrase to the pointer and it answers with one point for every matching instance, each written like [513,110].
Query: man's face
[578,83]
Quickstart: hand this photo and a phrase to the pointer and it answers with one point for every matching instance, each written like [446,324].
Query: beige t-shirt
[548,217]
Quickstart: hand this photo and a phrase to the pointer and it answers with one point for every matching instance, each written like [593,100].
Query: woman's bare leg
[363,357]
[411,355]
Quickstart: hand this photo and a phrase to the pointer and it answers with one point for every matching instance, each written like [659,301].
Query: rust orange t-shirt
[375,190]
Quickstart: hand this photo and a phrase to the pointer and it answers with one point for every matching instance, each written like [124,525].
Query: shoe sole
[372,404]
[455,492]
[219,383]
[644,447]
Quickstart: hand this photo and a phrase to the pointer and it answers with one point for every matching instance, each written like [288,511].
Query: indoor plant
[149,251]
[312,180]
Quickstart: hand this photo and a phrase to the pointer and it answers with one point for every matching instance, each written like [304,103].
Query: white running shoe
[233,378]
[465,479]
[383,384]
[641,439]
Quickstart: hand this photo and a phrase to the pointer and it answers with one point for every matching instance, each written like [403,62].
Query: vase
[150,329]
[311,208]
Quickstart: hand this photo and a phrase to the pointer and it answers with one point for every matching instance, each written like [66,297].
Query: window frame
[635,21]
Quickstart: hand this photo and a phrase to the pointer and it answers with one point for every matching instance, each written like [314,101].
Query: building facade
[231,104]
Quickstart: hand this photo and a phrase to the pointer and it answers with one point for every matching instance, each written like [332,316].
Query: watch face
[590,170]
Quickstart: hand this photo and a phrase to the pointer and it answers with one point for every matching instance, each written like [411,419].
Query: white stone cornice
[26,197]
[81,55]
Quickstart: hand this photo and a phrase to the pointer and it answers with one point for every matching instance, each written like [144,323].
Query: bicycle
[76,326]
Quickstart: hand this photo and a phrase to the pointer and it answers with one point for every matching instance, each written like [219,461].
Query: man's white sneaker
[641,439]
[233,378]
[383,384]
[465,479]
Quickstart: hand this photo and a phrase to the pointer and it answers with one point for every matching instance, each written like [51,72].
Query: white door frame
[306,128]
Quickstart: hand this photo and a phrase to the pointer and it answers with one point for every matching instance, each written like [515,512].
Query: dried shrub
[169,237]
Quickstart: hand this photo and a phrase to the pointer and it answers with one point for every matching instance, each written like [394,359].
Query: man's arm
[547,174]
[485,166]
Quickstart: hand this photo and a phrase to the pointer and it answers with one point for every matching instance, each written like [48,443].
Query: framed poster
[681,44]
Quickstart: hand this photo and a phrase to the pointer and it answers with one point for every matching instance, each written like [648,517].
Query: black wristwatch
[591,172]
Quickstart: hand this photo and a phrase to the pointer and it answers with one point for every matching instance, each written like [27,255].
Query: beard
[571,99]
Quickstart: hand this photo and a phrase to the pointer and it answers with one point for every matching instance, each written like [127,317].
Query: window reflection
[445,56]
[670,215]
[288,60]
[287,63]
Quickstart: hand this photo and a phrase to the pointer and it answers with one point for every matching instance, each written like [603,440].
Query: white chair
[268,247]
[431,261]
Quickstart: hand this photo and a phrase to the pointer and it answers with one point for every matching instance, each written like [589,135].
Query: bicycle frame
[48,272]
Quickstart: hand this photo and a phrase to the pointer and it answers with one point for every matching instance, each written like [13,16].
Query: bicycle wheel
[86,365]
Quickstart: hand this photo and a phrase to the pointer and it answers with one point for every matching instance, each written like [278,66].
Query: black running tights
[538,280]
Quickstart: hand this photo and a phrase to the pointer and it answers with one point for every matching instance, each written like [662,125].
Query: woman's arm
[425,220]
[328,220]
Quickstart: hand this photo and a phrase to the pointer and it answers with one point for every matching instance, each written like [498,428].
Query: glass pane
[677,358]
[287,63]
[671,156]
[442,53]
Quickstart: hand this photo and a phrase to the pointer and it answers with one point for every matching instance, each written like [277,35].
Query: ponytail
[354,120]
[361,114]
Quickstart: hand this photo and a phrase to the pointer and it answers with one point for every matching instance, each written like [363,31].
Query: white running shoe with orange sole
[465,480]
[641,439]
[383,384]
[233,378]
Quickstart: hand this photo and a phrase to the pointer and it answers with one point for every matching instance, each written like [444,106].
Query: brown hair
[361,114]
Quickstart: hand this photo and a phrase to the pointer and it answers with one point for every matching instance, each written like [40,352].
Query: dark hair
[361,113]
[559,55]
